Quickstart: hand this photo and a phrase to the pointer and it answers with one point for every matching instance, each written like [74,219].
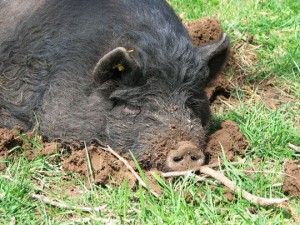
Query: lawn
[269,122]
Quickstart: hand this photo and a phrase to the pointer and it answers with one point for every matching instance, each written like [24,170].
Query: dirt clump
[45,149]
[228,195]
[14,143]
[291,184]
[106,168]
[204,30]
[230,139]
[218,87]
[9,139]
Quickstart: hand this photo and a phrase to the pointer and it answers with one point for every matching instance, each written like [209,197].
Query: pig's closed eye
[132,109]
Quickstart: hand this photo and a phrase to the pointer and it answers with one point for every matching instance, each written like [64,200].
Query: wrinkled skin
[115,72]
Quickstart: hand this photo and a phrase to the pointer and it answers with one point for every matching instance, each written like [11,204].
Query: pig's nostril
[194,158]
[177,158]
[172,126]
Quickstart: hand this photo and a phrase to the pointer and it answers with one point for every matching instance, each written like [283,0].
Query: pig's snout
[186,156]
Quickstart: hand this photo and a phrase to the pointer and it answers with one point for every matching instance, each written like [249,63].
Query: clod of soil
[218,87]
[8,140]
[291,184]
[47,149]
[106,168]
[230,139]
[228,195]
[204,30]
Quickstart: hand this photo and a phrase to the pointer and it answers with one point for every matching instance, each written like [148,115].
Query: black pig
[119,72]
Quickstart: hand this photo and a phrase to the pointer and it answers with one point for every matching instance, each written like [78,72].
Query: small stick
[191,172]
[13,221]
[64,206]
[228,183]
[101,220]
[59,204]
[277,185]
[261,171]
[90,169]
[183,173]
[294,147]
[109,149]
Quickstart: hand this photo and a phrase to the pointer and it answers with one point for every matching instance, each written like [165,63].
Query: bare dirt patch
[9,139]
[14,142]
[105,168]
[272,96]
[291,184]
[228,138]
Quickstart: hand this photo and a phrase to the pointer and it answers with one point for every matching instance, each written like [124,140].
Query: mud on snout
[175,150]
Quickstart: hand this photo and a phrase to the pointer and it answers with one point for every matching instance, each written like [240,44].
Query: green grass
[276,29]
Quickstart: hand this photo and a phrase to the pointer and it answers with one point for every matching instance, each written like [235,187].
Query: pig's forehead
[173,56]
[177,78]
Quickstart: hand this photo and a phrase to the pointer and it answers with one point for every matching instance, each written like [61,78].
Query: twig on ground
[191,172]
[277,185]
[13,221]
[96,219]
[59,204]
[184,173]
[261,171]
[294,147]
[90,169]
[228,183]
[109,149]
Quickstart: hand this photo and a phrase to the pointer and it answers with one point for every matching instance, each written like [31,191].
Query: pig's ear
[215,54]
[116,64]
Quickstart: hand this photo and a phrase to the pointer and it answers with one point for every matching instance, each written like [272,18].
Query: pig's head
[160,111]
